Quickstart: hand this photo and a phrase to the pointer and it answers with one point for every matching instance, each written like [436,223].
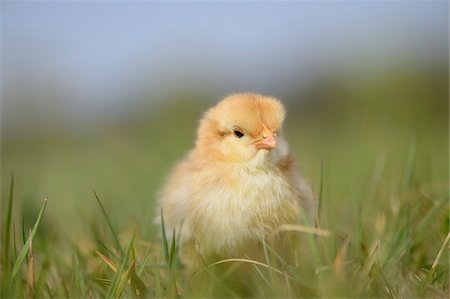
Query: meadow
[77,210]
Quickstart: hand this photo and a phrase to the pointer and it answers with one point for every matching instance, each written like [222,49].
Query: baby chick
[238,185]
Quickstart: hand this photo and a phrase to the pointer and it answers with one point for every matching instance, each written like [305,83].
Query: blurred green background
[107,96]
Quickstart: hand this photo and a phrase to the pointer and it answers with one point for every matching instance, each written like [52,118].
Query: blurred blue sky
[97,58]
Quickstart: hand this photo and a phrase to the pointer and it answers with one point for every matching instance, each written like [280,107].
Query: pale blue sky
[107,54]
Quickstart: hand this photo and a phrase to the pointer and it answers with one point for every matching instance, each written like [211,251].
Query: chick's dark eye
[238,134]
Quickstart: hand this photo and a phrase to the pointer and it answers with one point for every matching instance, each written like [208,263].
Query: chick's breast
[223,210]
[237,207]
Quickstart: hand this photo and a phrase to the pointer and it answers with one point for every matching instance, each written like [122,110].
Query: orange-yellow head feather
[240,126]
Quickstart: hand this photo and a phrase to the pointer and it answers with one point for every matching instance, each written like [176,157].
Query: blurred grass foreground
[374,148]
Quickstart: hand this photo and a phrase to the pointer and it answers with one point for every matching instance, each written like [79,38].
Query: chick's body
[238,185]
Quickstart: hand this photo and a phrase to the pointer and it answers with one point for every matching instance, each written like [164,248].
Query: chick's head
[240,127]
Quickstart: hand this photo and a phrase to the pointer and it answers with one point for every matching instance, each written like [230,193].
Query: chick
[238,185]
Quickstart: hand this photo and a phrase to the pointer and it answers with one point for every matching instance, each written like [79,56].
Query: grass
[381,180]
[398,249]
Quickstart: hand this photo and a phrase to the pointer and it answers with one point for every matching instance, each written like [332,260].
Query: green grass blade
[320,198]
[24,237]
[164,239]
[23,253]
[116,239]
[217,281]
[124,278]
[263,278]
[173,251]
[79,279]
[112,255]
[157,284]
[14,242]
[7,227]
[137,285]
[268,262]
[285,265]
[144,262]
[117,285]
[429,279]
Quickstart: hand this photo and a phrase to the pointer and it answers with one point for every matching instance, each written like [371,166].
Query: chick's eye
[238,133]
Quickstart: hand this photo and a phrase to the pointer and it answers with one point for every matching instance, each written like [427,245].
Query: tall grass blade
[172,253]
[107,261]
[6,261]
[108,221]
[164,238]
[264,279]
[116,286]
[124,278]
[137,285]
[436,262]
[14,242]
[144,262]
[157,285]
[169,254]
[23,253]
[320,199]
[371,259]
[340,259]
[24,237]
[248,261]
[286,266]
[80,283]
[305,229]
[30,271]
[109,250]
[268,262]
[218,282]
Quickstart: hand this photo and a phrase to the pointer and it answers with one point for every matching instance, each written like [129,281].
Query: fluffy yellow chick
[238,185]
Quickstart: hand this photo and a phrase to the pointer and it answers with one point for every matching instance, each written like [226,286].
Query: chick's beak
[268,142]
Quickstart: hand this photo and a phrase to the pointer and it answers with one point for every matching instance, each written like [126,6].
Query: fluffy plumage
[238,185]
